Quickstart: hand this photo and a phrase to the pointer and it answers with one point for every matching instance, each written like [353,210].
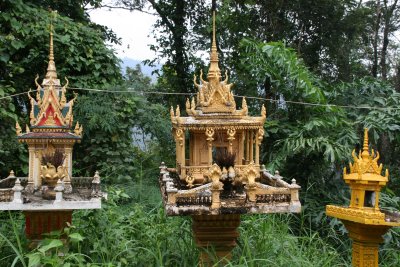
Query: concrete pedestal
[215,233]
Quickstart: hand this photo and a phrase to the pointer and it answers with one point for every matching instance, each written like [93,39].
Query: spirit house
[49,194]
[218,175]
[365,222]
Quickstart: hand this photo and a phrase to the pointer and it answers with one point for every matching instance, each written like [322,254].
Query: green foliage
[80,53]
[298,133]
[126,135]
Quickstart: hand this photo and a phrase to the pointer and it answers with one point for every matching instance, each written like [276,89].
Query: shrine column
[231,136]
[183,156]
[247,133]
[259,138]
[68,166]
[251,141]
[33,170]
[180,149]
[257,147]
[210,133]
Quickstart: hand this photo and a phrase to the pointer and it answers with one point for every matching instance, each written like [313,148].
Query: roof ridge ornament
[214,95]
[214,73]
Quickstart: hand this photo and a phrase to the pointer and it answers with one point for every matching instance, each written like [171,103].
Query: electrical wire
[132,90]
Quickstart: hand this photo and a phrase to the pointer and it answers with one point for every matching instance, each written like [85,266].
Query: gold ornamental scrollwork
[231,135]
[179,136]
[210,133]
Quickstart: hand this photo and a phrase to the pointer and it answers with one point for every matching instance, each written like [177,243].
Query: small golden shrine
[365,222]
[49,194]
[218,175]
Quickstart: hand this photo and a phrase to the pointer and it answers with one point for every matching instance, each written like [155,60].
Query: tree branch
[121,7]
[164,18]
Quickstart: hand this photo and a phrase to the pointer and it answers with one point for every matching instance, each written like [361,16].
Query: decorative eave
[195,124]
[368,217]
[40,137]
[198,120]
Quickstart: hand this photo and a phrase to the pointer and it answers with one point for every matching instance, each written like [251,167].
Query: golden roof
[365,166]
[214,102]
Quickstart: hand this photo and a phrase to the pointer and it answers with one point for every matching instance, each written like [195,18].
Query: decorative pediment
[49,108]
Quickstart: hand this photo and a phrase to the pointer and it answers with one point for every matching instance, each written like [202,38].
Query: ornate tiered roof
[214,105]
[365,166]
[51,114]
[213,95]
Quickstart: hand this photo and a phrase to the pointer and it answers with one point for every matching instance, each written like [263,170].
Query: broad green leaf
[54,243]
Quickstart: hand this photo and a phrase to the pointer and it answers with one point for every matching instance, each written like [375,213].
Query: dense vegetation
[342,53]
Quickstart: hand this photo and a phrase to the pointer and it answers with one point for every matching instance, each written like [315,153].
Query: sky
[133,27]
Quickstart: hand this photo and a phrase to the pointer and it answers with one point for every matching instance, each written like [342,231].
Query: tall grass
[132,230]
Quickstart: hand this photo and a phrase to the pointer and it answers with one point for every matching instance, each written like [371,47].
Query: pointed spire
[51,68]
[214,72]
[365,153]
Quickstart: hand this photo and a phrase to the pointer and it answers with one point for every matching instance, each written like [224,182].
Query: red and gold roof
[51,114]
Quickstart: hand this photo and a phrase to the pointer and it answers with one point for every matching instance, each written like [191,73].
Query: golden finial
[18,128]
[244,103]
[193,105]
[365,153]
[214,72]
[187,104]
[263,111]
[51,68]
[76,130]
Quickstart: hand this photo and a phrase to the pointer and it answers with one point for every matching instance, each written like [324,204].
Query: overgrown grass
[132,230]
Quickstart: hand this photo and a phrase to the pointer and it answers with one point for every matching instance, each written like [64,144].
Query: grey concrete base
[94,203]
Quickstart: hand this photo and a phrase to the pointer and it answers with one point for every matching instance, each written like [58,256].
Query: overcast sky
[133,27]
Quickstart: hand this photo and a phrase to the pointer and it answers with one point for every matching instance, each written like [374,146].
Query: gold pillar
[180,145]
[217,233]
[247,155]
[251,152]
[68,165]
[183,156]
[210,133]
[31,184]
[259,138]
[366,239]
[231,136]
[257,147]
